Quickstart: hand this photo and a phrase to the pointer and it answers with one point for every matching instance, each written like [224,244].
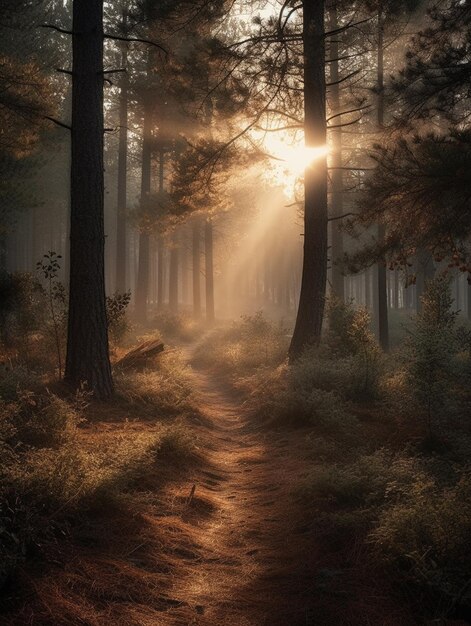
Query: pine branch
[59,123]
[346,27]
[135,39]
[57,28]
[340,217]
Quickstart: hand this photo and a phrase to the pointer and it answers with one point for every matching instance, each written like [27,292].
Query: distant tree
[420,189]
[142,284]
[26,100]
[121,247]
[199,192]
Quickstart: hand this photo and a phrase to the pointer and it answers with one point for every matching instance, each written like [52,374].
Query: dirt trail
[252,552]
[235,552]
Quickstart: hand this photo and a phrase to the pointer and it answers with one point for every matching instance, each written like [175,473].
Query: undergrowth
[59,466]
[179,326]
[248,347]
[164,389]
[389,438]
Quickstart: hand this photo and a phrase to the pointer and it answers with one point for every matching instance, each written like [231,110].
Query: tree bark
[184,266]
[338,288]
[87,336]
[160,273]
[312,298]
[209,270]
[121,249]
[173,275]
[196,269]
[142,287]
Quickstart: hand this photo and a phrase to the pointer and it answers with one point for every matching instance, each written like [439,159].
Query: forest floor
[219,541]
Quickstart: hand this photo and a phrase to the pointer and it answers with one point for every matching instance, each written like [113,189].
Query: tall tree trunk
[196,268]
[3,252]
[312,298]
[121,249]
[367,278]
[161,170]
[338,288]
[87,336]
[382,295]
[396,289]
[160,241]
[209,270]
[173,275]
[142,287]
[184,266]
[160,273]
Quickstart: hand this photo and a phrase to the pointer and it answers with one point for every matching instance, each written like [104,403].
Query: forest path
[250,562]
[216,540]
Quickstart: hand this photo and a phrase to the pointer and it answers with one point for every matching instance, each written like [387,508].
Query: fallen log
[140,356]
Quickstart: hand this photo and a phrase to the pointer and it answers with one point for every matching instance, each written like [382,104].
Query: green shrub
[368,481]
[14,380]
[426,535]
[283,399]
[118,324]
[22,306]
[350,339]
[431,351]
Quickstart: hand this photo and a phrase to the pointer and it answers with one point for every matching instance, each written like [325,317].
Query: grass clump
[176,446]
[165,390]
[44,420]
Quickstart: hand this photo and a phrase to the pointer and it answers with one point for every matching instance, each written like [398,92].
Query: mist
[235,304]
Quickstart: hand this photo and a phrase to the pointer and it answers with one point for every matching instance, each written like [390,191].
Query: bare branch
[340,217]
[57,28]
[59,123]
[135,39]
[346,27]
[345,78]
[113,71]
[367,106]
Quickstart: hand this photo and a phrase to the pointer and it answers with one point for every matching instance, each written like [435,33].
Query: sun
[289,159]
[299,158]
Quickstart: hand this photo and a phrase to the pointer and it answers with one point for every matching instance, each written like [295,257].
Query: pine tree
[87,337]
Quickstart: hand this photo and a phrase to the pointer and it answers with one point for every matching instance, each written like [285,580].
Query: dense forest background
[234,233]
[203,95]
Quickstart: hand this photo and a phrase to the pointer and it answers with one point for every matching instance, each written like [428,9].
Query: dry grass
[165,512]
